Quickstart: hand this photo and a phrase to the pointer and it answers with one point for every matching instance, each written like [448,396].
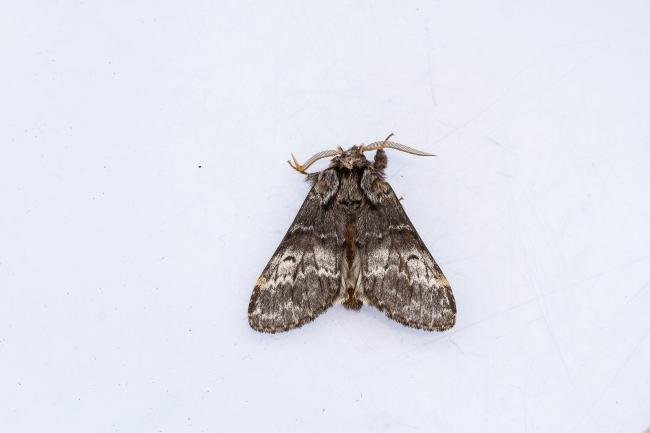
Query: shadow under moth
[351,242]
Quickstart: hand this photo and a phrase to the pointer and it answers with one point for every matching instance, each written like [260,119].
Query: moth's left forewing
[399,275]
[302,278]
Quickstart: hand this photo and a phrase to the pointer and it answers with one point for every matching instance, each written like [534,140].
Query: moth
[351,242]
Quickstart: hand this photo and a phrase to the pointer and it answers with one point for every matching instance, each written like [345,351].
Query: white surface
[125,269]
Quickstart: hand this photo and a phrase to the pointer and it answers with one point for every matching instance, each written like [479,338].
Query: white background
[144,186]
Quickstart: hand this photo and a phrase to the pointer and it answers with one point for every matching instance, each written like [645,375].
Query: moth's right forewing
[302,279]
[399,275]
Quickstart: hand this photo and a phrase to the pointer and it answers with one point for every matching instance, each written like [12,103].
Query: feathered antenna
[300,168]
[392,145]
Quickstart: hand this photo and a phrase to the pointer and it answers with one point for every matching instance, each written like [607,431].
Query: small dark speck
[200,166]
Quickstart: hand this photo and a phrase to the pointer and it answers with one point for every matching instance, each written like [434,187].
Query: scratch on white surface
[597,275]
[642,289]
[508,88]
[489,106]
[612,380]
[403,424]
[522,394]
[573,68]
[526,384]
[432,89]
[542,306]
[472,118]
[452,341]
[539,296]
[552,237]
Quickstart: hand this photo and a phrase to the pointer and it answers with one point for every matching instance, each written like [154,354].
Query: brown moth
[352,242]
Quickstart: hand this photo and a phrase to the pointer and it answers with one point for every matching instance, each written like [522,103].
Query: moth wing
[303,278]
[399,275]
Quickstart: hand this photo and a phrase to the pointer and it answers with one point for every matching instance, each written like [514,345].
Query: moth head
[350,159]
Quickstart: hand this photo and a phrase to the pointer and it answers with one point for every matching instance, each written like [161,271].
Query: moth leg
[381,160]
[352,302]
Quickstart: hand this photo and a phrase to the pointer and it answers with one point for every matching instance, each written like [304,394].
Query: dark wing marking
[302,279]
[399,275]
